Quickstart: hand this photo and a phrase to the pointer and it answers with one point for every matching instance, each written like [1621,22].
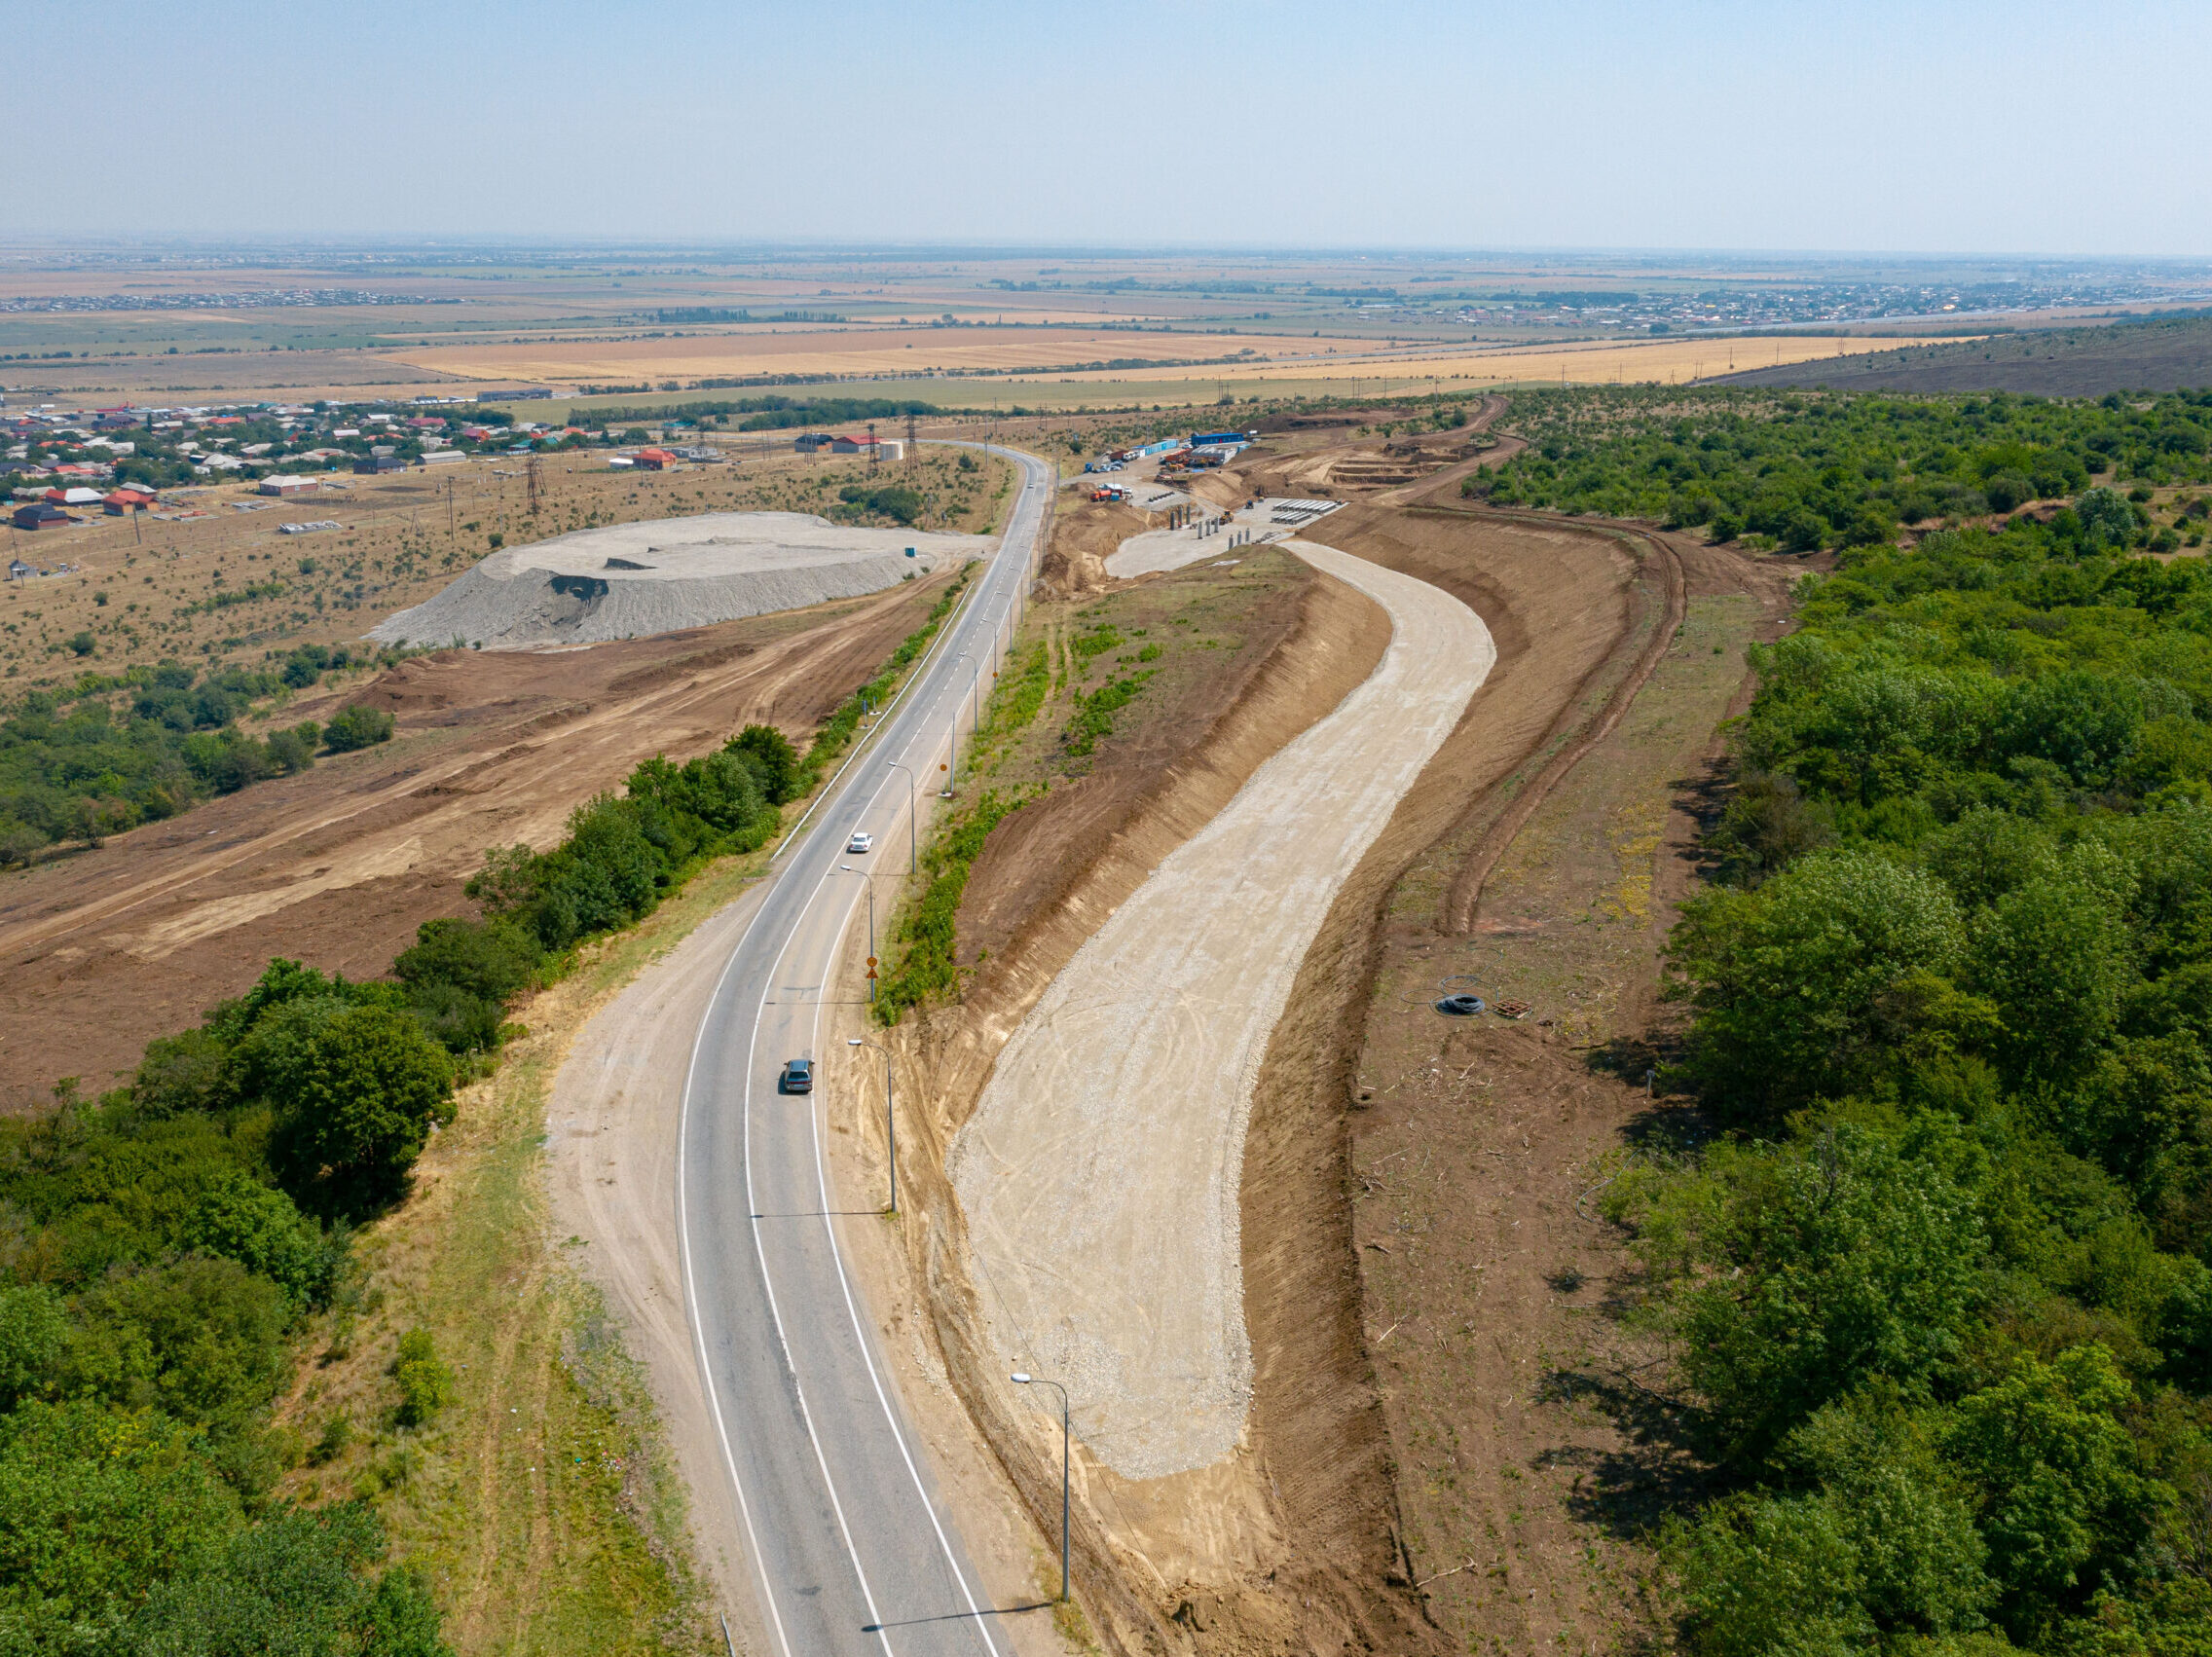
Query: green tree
[95,1507]
[2063,1503]
[494,959]
[1764,1577]
[1821,1267]
[1798,984]
[355,1090]
[355,726]
[775,759]
[260,1227]
[300,1584]
[201,1338]
[34,1330]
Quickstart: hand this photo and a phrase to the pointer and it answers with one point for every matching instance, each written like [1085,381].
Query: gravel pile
[628,581]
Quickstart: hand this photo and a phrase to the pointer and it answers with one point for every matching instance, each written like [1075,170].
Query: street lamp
[890,1121]
[1022,1380]
[913,859]
[847,868]
[963,656]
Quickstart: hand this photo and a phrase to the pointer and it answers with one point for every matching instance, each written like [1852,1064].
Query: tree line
[166,1243]
[1936,1270]
[110,752]
[1806,472]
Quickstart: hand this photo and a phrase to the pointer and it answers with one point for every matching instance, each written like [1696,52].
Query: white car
[861,843]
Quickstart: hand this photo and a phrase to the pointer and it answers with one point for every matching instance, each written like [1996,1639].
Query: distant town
[68,465]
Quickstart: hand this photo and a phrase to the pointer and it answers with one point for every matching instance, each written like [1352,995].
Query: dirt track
[102,951]
[1099,1171]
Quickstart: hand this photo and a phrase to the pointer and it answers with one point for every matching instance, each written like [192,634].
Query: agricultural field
[2151,354]
[163,326]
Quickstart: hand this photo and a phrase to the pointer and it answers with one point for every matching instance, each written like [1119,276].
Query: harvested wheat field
[1589,362]
[831,350]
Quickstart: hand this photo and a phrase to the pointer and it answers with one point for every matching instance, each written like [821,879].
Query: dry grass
[1587,362]
[828,350]
[405,538]
[542,1501]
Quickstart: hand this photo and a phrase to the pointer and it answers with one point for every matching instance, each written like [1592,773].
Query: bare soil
[103,950]
[1528,1458]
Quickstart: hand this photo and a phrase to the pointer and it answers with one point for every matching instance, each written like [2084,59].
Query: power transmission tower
[910,437]
[875,449]
[531,472]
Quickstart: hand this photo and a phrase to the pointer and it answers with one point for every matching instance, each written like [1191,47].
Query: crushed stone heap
[628,581]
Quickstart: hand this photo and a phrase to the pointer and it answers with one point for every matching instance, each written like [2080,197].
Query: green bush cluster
[624,853]
[357,727]
[1940,1293]
[1832,471]
[165,1244]
[425,1384]
[894,500]
[109,754]
[927,934]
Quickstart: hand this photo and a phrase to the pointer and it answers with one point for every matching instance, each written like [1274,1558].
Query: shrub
[425,1384]
[357,727]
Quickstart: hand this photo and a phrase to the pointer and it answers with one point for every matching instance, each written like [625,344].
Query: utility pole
[1022,1380]
[846,868]
[913,857]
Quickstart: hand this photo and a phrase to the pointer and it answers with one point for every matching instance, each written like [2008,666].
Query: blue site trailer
[1221,439]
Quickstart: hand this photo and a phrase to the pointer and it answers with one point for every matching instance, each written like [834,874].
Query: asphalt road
[852,1550]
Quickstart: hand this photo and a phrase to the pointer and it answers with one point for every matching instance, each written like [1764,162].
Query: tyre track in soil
[1467,886]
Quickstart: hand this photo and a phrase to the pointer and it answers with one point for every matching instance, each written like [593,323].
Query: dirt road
[1100,1172]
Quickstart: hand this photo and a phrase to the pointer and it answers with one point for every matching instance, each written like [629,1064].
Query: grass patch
[837,732]
[927,932]
[1094,719]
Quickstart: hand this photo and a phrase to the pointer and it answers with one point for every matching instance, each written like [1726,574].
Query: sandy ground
[1217,536]
[628,581]
[1100,1170]
[103,950]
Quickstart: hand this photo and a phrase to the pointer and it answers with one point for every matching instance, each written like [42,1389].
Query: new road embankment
[1100,1172]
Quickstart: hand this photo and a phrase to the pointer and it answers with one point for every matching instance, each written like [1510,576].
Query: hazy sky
[1935,126]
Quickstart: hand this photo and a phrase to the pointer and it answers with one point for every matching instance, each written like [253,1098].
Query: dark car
[797,1077]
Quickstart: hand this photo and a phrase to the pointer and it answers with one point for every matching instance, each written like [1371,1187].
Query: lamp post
[963,656]
[890,1121]
[1021,1378]
[913,858]
[847,868]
